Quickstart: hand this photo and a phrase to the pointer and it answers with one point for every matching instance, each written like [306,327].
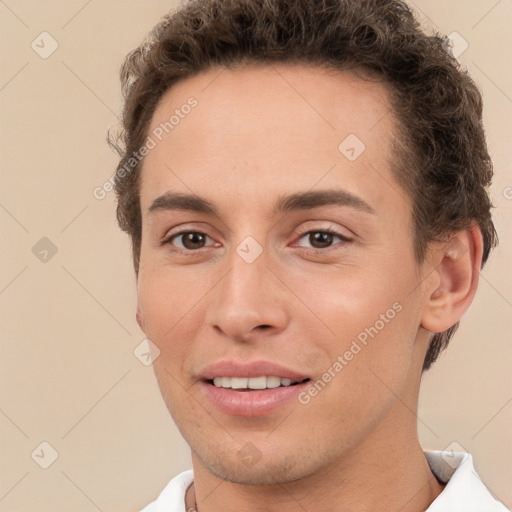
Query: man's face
[329,293]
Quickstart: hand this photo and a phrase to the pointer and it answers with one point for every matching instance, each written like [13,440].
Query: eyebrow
[286,203]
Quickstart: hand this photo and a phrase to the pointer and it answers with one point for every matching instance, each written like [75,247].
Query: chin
[273,468]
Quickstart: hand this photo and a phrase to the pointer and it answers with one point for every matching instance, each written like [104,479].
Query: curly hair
[441,160]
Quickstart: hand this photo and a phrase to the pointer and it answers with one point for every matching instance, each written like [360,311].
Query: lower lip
[251,403]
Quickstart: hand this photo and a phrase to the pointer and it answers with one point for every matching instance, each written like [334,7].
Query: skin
[256,134]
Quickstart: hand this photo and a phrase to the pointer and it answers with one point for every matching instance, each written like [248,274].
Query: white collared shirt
[464,491]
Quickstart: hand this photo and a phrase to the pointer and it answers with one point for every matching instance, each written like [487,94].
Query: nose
[248,300]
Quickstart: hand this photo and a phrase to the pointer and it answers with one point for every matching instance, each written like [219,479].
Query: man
[305,186]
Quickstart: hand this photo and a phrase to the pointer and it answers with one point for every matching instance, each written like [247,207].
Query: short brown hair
[443,164]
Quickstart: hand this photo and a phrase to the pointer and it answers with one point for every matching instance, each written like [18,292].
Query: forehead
[260,127]
[277,96]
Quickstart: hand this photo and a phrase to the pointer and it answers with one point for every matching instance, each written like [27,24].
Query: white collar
[464,491]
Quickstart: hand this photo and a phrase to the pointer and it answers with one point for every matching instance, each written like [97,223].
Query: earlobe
[456,280]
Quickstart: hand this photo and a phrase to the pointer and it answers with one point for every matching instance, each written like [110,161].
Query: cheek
[167,293]
[367,368]
[164,304]
[366,320]
[350,299]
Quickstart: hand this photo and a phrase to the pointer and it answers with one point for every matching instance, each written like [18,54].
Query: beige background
[68,373]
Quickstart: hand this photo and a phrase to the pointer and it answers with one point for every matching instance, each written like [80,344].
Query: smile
[251,383]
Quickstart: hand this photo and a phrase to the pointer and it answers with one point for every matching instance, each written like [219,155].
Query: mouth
[249,384]
[252,401]
[251,388]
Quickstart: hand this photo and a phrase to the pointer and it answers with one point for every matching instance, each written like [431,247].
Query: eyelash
[344,239]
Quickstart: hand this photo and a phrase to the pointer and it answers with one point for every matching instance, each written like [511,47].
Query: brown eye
[320,239]
[190,240]
[323,239]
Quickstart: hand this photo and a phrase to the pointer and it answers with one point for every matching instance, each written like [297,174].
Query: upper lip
[232,368]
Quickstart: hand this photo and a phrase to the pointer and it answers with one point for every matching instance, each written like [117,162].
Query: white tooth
[217,381]
[239,382]
[285,381]
[273,382]
[226,382]
[257,383]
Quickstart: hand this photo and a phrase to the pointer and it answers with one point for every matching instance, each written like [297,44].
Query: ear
[452,284]
[140,318]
